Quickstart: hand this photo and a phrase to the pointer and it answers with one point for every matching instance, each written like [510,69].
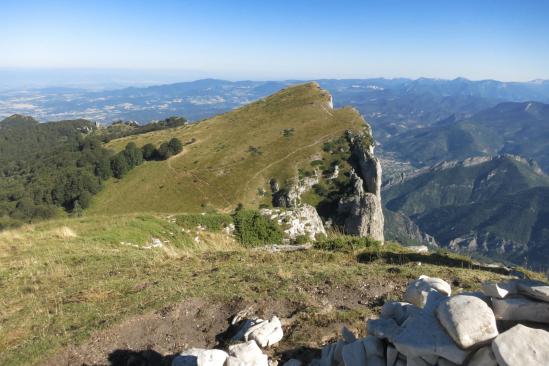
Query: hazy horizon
[170,41]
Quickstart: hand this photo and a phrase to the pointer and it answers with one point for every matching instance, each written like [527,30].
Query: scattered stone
[398,311]
[521,345]
[534,289]
[383,328]
[483,357]
[521,309]
[266,333]
[422,335]
[248,354]
[354,354]
[499,290]
[468,320]
[418,291]
[200,357]
[375,353]
[244,328]
[292,362]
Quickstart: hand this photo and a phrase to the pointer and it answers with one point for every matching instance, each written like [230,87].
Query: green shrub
[252,229]
[338,242]
[210,221]
[302,239]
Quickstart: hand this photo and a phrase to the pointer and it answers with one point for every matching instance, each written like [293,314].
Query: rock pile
[245,349]
[434,328]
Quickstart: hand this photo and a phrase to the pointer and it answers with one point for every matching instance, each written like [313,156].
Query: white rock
[520,346]
[354,354]
[392,355]
[383,328]
[467,319]
[483,357]
[375,355]
[418,291]
[244,327]
[499,290]
[416,361]
[292,362]
[347,335]
[521,309]
[422,335]
[398,311]
[248,354]
[266,333]
[534,289]
[444,362]
[200,357]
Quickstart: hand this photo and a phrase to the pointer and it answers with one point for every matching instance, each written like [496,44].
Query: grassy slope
[217,171]
[62,280]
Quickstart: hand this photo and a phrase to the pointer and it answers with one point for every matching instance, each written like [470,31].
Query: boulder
[392,355]
[499,290]
[354,354]
[375,352]
[292,362]
[200,357]
[534,289]
[483,357]
[419,291]
[398,311]
[422,335]
[265,333]
[246,354]
[418,249]
[468,320]
[521,345]
[519,308]
[300,220]
[244,326]
[383,328]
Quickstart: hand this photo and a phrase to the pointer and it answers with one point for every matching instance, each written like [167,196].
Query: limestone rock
[246,354]
[521,309]
[483,357]
[297,221]
[392,355]
[354,354]
[398,311]
[468,320]
[383,328]
[420,290]
[499,290]
[422,335]
[265,333]
[292,362]
[534,289]
[375,355]
[418,248]
[200,357]
[244,327]
[521,345]
[362,211]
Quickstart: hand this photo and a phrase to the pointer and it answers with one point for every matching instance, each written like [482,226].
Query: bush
[252,229]
[164,151]
[339,242]
[175,146]
[133,155]
[302,239]
[212,222]
[119,165]
[149,152]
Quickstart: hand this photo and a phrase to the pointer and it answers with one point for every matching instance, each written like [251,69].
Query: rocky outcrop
[362,209]
[302,220]
[290,196]
[446,330]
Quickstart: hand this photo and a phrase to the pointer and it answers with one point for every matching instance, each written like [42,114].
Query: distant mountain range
[513,128]
[392,106]
[494,206]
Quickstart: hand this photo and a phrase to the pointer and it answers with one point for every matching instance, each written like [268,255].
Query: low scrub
[340,242]
[252,229]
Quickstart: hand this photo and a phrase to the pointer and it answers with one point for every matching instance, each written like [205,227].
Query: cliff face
[362,209]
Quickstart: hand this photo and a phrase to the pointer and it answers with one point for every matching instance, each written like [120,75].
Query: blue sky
[505,40]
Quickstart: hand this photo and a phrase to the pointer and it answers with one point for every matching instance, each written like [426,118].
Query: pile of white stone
[434,328]
[245,349]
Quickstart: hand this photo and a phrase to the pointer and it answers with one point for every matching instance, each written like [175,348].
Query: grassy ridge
[230,158]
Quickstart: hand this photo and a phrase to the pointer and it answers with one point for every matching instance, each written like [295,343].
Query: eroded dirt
[153,339]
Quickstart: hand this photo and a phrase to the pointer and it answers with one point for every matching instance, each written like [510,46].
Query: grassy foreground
[62,280]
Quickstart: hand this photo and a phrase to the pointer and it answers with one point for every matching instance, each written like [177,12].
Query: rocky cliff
[362,208]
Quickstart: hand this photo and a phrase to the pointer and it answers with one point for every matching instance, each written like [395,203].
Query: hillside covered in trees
[50,168]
